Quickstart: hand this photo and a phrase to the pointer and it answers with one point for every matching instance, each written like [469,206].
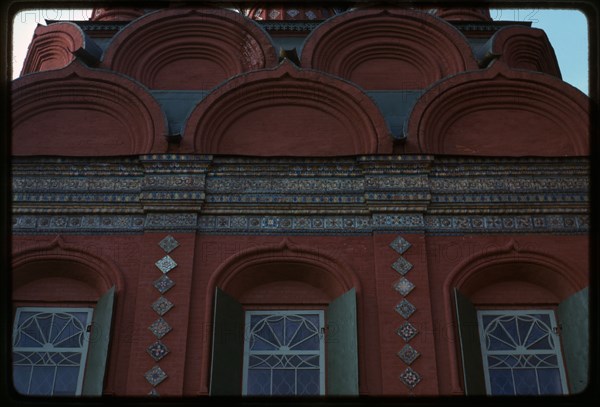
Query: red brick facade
[286,183]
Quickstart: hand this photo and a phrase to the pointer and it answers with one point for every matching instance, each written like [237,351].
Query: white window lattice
[521,353]
[49,350]
[284,353]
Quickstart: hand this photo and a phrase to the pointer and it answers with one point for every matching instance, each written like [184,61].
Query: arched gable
[286,112]
[78,111]
[388,49]
[525,48]
[189,48]
[55,46]
[500,112]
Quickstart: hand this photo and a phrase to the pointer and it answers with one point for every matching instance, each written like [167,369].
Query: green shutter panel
[98,349]
[227,346]
[573,314]
[470,348]
[341,346]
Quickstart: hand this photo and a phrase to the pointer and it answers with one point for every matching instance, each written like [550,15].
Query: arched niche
[55,46]
[78,111]
[388,49]
[524,48]
[189,49]
[59,272]
[287,112]
[500,112]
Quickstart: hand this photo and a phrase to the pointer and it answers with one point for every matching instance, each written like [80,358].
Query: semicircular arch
[59,260]
[500,112]
[79,111]
[388,48]
[189,49]
[287,112]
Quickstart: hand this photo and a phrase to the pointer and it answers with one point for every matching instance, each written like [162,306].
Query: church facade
[298,201]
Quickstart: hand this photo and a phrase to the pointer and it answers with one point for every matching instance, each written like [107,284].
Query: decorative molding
[450,117]
[410,378]
[116,115]
[328,116]
[408,354]
[365,194]
[405,308]
[220,44]
[313,224]
[54,46]
[348,46]
[524,48]
[155,376]
[407,331]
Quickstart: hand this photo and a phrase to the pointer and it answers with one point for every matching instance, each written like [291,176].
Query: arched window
[284,325]
[523,329]
[63,306]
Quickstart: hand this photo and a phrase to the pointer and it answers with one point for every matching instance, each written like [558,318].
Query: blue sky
[566,29]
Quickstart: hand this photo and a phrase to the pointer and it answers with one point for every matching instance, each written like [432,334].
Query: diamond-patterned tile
[168,244]
[166,264]
[158,350]
[405,308]
[410,378]
[155,375]
[163,284]
[402,266]
[160,328]
[407,331]
[153,392]
[408,354]
[400,245]
[404,286]
[162,306]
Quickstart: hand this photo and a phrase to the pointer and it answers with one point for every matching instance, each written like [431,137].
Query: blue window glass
[284,353]
[521,353]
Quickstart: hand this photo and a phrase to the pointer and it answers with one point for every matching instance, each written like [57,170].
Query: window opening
[284,353]
[50,349]
[521,353]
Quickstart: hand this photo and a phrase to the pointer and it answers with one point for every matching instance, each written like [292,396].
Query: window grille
[284,353]
[521,352]
[49,350]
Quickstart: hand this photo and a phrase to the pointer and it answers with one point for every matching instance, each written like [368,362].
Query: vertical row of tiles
[158,350]
[405,308]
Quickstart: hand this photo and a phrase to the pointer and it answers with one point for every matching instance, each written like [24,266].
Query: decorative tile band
[311,224]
